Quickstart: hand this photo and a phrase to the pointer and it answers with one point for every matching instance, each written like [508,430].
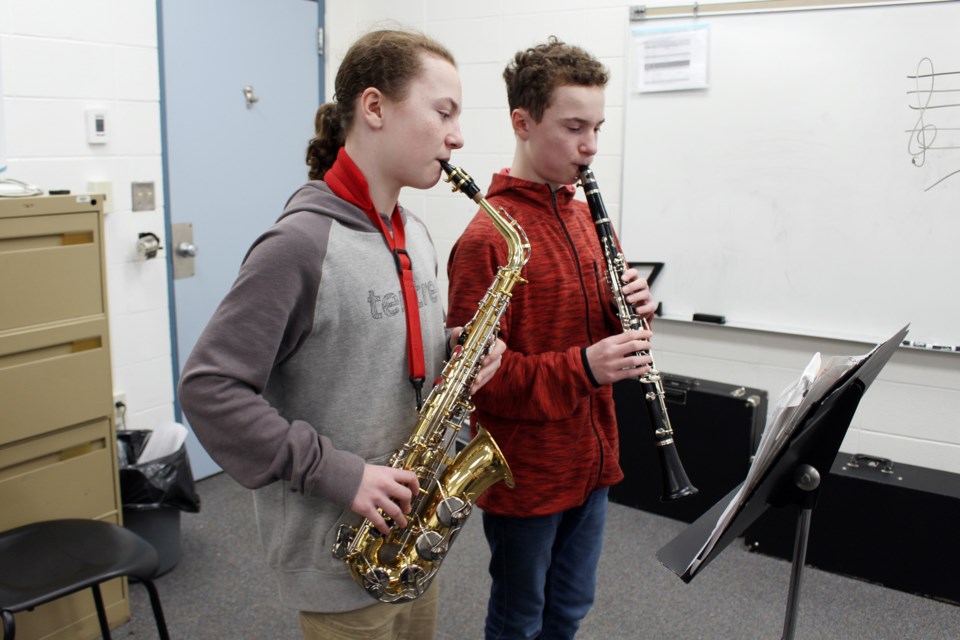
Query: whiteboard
[784,196]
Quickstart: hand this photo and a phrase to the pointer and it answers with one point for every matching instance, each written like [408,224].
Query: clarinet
[676,484]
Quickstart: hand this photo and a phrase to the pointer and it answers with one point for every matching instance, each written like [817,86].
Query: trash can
[156,485]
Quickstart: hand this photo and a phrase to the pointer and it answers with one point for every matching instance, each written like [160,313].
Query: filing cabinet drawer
[49,269]
[68,474]
[54,376]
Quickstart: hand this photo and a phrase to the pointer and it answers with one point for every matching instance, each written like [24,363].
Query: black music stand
[794,477]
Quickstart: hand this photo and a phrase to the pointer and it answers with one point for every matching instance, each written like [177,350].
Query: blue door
[241,83]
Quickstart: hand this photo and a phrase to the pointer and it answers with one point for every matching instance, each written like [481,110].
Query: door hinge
[320,41]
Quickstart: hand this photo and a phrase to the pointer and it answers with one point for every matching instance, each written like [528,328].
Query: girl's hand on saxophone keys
[617,358]
[636,290]
[388,490]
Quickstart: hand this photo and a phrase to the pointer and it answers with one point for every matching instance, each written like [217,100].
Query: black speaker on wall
[717,427]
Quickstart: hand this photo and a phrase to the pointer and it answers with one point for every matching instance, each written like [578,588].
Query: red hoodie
[555,426]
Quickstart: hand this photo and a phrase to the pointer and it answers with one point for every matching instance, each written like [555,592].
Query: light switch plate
[142,196]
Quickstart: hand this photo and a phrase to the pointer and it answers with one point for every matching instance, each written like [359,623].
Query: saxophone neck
[517,243]
[518,246]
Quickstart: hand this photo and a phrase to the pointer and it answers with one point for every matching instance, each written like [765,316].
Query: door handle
[249,96]
[186,250]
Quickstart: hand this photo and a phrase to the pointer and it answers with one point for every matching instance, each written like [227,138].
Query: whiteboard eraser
[709,317]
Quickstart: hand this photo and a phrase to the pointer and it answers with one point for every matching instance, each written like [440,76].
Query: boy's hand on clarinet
[385,489]
[637,292]
[615,358]
[489,364]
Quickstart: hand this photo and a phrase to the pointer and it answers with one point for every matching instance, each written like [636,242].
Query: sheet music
[791,407]
[803,421]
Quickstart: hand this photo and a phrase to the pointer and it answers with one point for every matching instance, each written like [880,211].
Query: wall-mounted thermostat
[97,126]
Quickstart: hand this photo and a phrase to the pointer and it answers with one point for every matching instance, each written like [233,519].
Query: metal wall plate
[184,250]
[142,196]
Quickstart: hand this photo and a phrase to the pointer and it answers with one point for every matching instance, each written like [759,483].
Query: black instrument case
[890,523]
[716,426]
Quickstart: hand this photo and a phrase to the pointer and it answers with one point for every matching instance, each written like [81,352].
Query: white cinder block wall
[911,414]
[60,57]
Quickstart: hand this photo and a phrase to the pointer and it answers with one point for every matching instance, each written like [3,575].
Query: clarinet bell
[676,485]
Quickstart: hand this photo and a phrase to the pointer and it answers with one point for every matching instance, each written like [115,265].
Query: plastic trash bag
[164,481]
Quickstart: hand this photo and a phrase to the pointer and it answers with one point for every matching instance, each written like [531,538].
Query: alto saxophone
[401,566]
[675,483]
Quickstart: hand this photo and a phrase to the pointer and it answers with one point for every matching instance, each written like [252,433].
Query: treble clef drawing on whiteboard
[927,95]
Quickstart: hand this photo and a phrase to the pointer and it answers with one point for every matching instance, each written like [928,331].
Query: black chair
[44,561]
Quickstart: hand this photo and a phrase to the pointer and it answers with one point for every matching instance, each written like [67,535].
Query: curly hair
[534,73]
[387,60]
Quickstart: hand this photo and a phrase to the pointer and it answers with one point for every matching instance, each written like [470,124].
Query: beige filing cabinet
[57,441]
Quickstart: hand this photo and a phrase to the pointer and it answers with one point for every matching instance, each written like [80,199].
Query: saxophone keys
[414,576]
[345,537]
[376,581]
[431,546]
[453,511]
[388,553]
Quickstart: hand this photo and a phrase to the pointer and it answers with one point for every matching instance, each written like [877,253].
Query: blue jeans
[544,571]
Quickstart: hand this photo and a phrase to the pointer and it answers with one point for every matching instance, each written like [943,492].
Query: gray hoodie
[301,376]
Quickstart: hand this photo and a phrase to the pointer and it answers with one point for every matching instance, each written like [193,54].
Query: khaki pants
[415,620]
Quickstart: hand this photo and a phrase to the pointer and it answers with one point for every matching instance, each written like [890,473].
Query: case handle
[885,465]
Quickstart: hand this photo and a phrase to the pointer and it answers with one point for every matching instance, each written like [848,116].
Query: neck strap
[347,181]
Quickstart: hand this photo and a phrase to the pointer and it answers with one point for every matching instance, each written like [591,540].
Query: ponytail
[326,142]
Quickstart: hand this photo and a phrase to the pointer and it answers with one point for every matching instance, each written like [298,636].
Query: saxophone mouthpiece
[461,181]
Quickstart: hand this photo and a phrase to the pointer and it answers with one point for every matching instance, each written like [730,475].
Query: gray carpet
[221,589]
